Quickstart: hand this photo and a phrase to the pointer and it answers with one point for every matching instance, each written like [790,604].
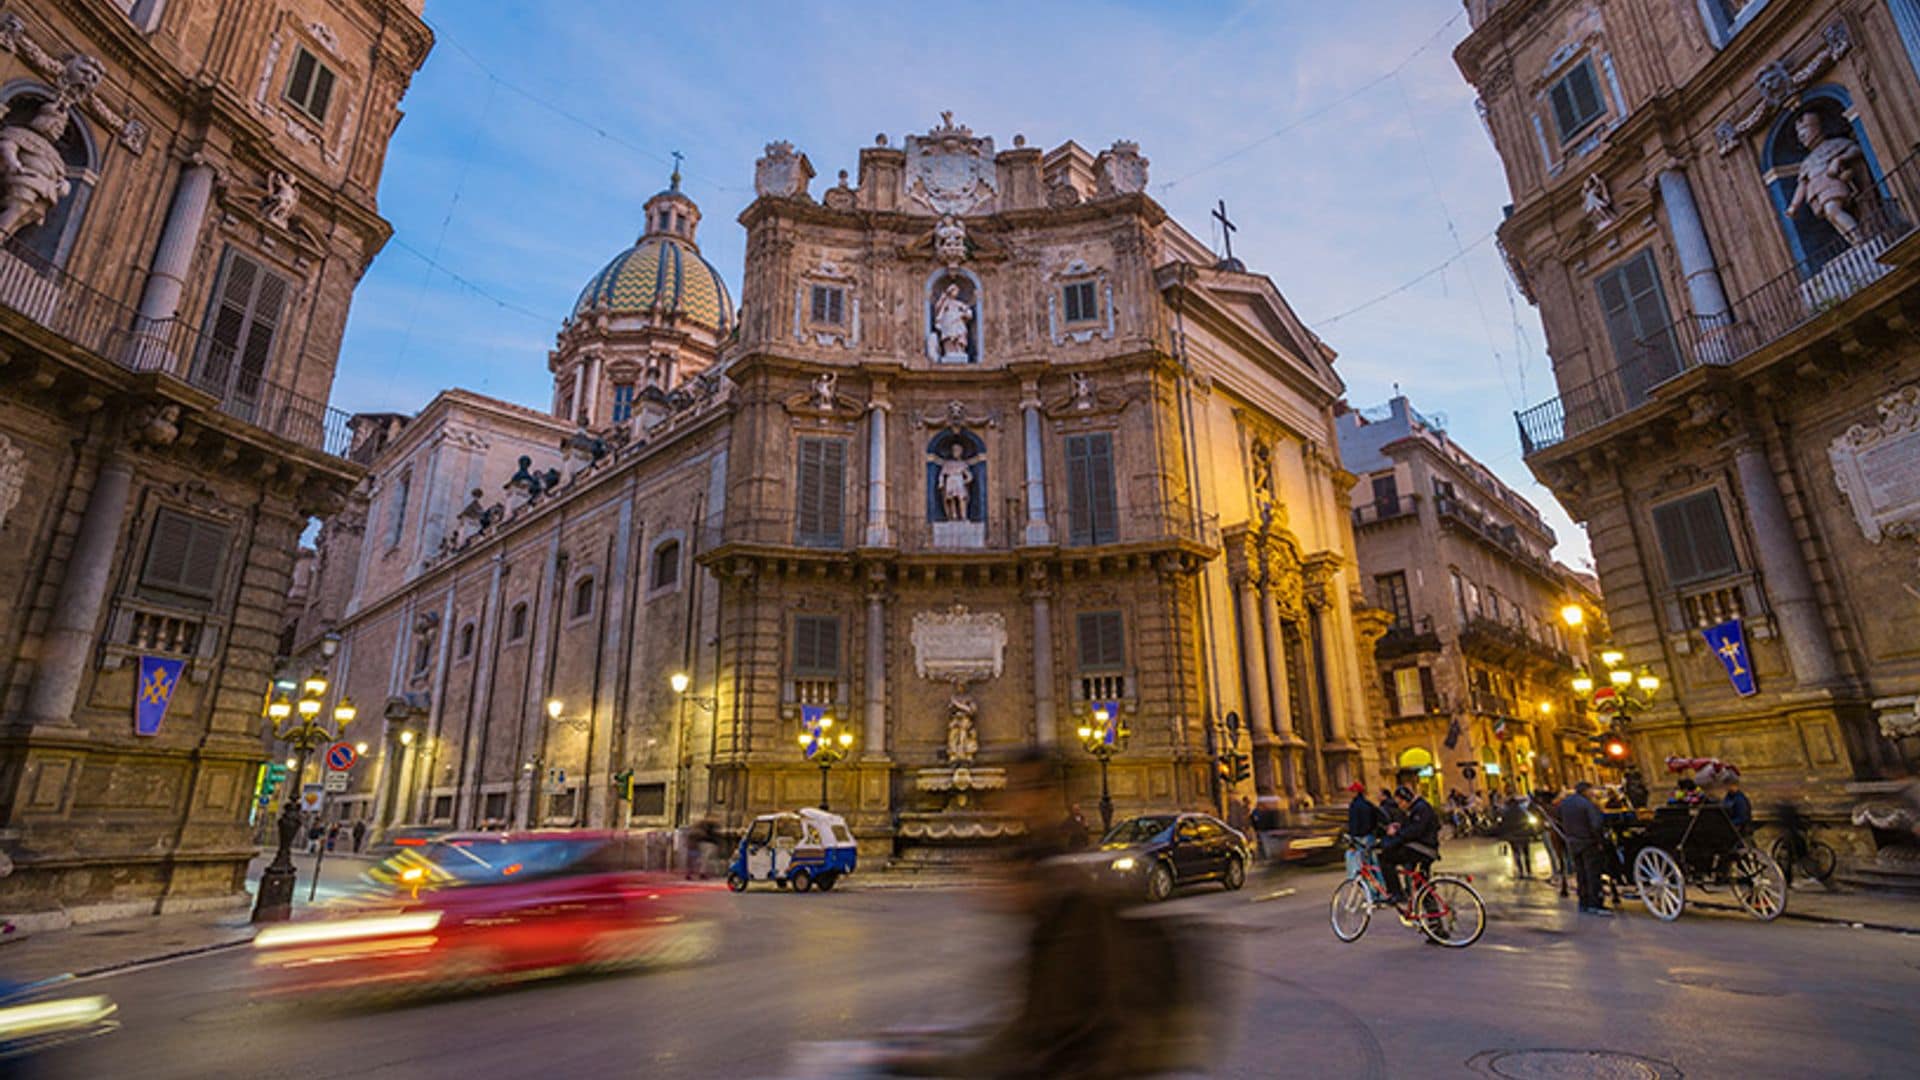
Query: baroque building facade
[1476,662]
[991,450]
[1714,209]
[189,201]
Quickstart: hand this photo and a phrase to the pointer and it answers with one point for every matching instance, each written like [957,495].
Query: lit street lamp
[1104,741]
[275,900]
[826,752]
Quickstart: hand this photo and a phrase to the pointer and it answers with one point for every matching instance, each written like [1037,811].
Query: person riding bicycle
[1413,841]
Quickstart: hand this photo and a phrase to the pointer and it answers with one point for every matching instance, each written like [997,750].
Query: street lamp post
[1104,741]
[274,902]
[826,751]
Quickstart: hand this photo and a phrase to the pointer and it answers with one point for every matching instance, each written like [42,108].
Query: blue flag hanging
[1729,643]
[810,717]
[159,677]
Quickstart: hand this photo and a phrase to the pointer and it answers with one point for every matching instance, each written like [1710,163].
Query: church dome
[663,274]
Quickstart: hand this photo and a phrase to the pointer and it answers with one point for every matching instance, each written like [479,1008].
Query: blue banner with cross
[1729,642]
[810,717]
[159,677]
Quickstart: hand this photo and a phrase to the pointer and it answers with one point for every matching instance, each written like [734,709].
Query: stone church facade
[189,202]
[1714,209]
[992,449]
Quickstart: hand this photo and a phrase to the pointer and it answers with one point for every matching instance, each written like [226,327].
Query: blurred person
[359,834]
[1239,815]
[1412,842]
[1266,813]
[1389,810]
[1546,806]
[315,832]
[1363,822]
[1635,788]
[1073,830]
[1517,829]
[1100,994]
[1586,829]
[1739,807]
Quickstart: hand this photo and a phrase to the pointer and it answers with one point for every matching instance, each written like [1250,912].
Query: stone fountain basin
[961,778]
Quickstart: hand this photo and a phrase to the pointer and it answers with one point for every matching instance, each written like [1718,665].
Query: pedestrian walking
[315,832]
[1363,822]
[1559,865]
[1586,829]
[1517,829]
[359,835]
[1073,830]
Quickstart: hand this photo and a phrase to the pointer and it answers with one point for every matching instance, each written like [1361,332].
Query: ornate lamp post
[274,901]
[1616,688]
[1104,738]
[825,751]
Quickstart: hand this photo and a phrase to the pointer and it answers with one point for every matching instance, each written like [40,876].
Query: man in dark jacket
[1739,808]
[1586,830]
[1517,827]
[1363,818]
[1413,841]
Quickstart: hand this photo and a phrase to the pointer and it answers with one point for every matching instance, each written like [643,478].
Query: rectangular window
[1459,595]
[820,492]
[1386,494]
[1080,302]
[1576,101]
[563,398]
[829,304]
[560,804]
[1694,539]
[622,402]
[649,800]
[1390,592]
[310,86]
[237,342]
[1407,692]
[184,557]
[816,646]
[494,807]
[397,509]
[1634,307]
[442,808]
[1475,604]
[1494,608]
[1092,511]
[1103,642]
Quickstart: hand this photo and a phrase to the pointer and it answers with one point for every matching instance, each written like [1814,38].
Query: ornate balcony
[1381,510]
[1408,640]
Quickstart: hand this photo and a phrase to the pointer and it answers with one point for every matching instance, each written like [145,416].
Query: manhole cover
[1571,1065]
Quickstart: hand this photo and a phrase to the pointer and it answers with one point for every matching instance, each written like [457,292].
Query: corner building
[991,444]
[1714,209]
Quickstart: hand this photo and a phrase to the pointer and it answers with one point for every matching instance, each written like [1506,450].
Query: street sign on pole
[312,797]
[337,781]
[341,756]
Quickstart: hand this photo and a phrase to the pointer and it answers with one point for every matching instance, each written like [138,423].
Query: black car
[1158,853]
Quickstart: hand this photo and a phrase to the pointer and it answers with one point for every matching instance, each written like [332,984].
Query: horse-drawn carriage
[1663,851]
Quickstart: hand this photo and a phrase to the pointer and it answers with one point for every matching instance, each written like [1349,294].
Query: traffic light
[623,784]
[1615,747]
[276,774]
[1242,768]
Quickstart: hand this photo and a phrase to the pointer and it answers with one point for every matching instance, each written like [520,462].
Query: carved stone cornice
[1778,85]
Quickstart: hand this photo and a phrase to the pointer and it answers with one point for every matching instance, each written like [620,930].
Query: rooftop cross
[1227,228]
[676,169]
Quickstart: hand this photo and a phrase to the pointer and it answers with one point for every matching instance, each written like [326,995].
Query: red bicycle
[1444,907]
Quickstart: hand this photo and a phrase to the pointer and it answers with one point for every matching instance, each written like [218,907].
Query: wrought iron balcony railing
[70,308]
[1812,288]
[1379,510]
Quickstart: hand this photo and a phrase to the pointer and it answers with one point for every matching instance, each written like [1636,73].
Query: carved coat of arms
[948,170]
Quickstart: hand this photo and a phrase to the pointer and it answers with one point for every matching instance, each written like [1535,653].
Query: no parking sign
[341,756]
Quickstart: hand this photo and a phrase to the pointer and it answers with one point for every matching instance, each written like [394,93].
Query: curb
[1829,920]
[150,961]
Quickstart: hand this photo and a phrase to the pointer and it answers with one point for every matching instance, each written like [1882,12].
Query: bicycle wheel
[1449,912]
[1351,910]
[1820,861]
[1783,856]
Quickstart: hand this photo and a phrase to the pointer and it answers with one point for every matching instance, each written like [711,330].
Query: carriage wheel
[1352,909]
[1759,884]
[1663,888]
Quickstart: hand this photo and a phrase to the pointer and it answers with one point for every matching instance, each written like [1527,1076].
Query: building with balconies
[1714,208]
[1476,661]
[188,204]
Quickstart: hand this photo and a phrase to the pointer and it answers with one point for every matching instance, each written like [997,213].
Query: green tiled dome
[661,274]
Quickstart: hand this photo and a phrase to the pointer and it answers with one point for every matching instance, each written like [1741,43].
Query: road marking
[1275,895]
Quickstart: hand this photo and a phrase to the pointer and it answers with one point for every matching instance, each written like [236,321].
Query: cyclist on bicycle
[1413,841]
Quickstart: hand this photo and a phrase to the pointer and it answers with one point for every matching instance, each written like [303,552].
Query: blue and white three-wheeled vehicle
[801,849]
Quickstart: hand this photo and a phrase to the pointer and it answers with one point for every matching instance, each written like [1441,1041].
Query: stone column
[1038,531]
[1704,291]
[1789,585]
[876,660]
[166,279]
[1045,719]
[1253,668]
[878,534]
[67,648]
[1276,687]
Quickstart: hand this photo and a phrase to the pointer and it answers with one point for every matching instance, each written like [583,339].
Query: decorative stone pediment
[949,171]
[1778,85]
[782,172]
[823,399]
[956,414]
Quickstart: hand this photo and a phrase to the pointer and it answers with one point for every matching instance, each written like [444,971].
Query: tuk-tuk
[801,848]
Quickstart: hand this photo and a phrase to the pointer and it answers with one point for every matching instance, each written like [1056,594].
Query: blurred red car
[471,909]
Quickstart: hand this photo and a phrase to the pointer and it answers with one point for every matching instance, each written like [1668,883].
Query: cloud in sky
[1346,185]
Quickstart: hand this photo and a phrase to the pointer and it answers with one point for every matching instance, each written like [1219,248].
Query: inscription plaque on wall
[1877,467]
[958,645]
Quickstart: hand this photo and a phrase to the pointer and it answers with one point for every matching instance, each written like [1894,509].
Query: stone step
[1881,878]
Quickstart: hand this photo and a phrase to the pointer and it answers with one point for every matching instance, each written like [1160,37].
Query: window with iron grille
[1390,592]
[242,320]
[1080,302]
[1694,539]
[820,492]
[1576,101]
[1093,513]
[184,558]
[829,304]
[310,84]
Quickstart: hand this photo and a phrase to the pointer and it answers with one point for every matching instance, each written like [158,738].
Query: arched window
[1811,236]
[517,622]
[583,598]
[466,641]
[47,244]
[665,573]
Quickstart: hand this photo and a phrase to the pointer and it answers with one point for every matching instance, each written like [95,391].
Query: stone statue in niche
[825,390]
[952,318]
[963,740]
[35,175]
[1597,201]
[283,194]
[1082,390]
[1830,177]
[955,480]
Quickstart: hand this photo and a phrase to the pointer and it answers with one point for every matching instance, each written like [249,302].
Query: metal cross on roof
[1227,227]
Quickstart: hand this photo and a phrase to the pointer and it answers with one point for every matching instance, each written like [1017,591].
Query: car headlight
[1531,820]
[1123,864]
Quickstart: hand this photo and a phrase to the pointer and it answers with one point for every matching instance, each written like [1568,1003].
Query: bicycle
[1798,851]
[1444,907]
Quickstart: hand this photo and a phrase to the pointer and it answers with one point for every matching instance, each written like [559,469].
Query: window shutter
[1093,511]
[322,93]
[1430,699]
[300,86]
[1079,491]
[816,645]
[1102,640]
[1565,119]
[1389,682]
[820,498]
[1694,539]
[184,555]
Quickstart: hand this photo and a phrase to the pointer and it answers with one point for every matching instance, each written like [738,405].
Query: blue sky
[1342,138]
